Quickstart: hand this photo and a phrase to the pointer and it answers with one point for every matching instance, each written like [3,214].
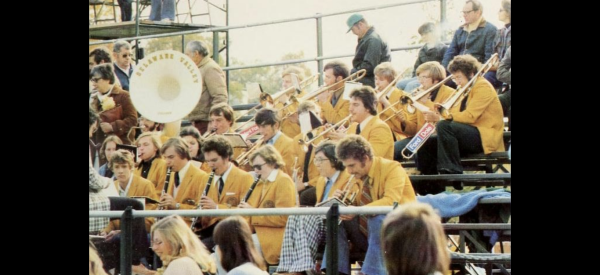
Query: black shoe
[458,185]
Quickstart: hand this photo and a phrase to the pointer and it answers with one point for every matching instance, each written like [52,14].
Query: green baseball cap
[353,19]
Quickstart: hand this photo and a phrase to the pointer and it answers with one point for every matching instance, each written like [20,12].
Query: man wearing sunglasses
[123,66]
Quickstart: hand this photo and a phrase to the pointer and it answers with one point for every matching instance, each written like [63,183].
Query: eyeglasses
[126,55]
[153,243]
[319,160]
[95,79]
[422,77]
[258,166]
[466,12]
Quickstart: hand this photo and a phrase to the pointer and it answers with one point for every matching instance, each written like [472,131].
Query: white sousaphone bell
[165,86]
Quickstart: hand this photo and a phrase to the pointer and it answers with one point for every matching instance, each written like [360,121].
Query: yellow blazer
[289,128]
[379,135]
[483,111]
[394,123]
[157,174]
[284,145]
[235,188]
[313,173]
[339,184]
[389,183]
[278,194]
[444,93]
[139,187]
[189,189]
[333,114]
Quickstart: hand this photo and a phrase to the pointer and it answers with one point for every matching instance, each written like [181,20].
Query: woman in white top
[179,248]
[235,248]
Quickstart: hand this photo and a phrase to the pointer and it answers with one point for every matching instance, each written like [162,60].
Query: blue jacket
[123,78]
[479,43]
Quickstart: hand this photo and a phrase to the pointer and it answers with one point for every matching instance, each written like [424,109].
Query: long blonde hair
[183,242]
[95,263]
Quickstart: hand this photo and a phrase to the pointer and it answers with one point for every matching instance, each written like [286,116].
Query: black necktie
[176,179]
[307,159]
[358,130]
[220,186]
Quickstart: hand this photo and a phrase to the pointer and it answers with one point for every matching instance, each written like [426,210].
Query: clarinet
[251,189]
[165,189]
[210,179]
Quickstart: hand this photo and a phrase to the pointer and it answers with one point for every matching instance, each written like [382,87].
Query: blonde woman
[179,248]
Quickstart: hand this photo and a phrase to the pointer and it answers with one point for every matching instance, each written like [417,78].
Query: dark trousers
[453,140]
[398,147]
[201,125]
[126,9]
[110,251]
[506,107]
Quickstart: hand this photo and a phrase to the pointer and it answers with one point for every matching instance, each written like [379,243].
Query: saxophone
[210,179]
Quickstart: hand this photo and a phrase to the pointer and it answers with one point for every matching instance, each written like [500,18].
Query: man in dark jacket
[371,49]
[475,37]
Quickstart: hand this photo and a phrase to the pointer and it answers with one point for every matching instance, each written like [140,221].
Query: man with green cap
[371,49]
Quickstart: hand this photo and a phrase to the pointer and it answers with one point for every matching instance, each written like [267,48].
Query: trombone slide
[420,138]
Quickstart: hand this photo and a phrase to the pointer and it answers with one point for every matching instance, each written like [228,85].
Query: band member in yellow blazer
[473,126]
[221,120]
[366,123]
[152,166]
[268,126]
[289,125]
[428,74]
[274,190]
[228,187]
[333,106]
[130,185]
[303,232]
[384,74]
[191,135]
[382,182]
[185,181]
[307,172]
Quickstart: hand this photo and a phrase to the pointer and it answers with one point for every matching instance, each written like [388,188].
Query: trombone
[311,95]
[243,158]
[304,140]
[267,98]
[462,92]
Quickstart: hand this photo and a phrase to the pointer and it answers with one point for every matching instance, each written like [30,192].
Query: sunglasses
[258,166]
[126,55]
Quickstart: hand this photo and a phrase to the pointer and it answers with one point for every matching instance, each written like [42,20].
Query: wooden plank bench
[490,163]
[493,179]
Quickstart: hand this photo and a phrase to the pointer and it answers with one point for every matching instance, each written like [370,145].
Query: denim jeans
[373,264]
[408,84]
[162,9]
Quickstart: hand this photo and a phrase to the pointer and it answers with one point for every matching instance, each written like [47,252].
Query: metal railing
[333,214]
[319,25]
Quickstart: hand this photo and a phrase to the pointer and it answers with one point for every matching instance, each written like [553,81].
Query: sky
[397,25]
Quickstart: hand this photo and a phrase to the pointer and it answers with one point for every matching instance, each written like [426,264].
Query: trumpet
[243,158]
[208,183]
[462,93]
[247,196]
[310,141]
